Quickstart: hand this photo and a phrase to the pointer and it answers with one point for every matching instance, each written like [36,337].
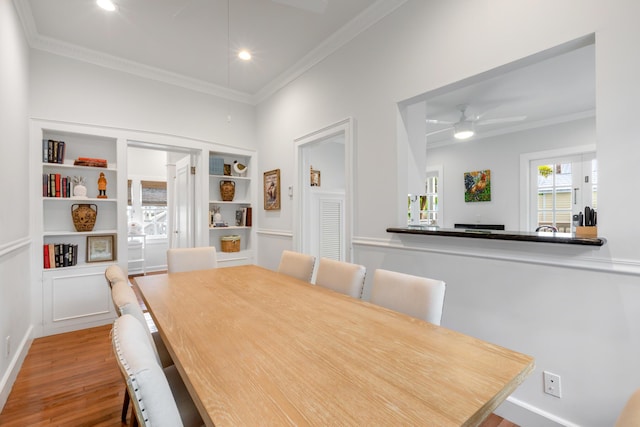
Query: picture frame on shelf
[272,190]
[101,248]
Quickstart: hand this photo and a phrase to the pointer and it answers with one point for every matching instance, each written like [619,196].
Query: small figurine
[102,186]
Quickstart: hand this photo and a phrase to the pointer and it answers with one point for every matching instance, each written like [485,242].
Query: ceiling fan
[464,128]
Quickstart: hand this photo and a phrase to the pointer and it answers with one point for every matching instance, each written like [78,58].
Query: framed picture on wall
[272,190]
[101,248]
[315,177]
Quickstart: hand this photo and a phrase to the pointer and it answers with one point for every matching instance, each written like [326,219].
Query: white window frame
[136,203]
[528,212]
[437,171]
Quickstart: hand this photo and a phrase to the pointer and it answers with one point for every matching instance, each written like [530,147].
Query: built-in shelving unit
[244,199]
[74,292]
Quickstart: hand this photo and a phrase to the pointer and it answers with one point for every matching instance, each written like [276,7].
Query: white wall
[501,155]
[576,310]
[15,304]
[69,90]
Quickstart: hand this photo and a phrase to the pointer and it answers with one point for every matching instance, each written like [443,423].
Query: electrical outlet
[7,346]
[552,384]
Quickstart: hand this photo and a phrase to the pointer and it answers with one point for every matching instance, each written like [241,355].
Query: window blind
[154,193]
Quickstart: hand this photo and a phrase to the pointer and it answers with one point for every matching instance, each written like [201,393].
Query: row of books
[243,217]
[53,151]
[58,255]
[56,185]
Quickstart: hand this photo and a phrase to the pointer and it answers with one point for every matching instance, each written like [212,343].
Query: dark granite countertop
[519,236]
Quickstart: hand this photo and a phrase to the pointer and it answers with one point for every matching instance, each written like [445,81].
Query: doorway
[323,213]
[161,203]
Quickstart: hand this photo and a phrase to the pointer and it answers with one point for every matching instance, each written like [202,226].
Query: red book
[92,159]
[46,257]
[57,185]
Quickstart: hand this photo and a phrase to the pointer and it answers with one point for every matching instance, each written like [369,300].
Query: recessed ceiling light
[244,55]
[106,5]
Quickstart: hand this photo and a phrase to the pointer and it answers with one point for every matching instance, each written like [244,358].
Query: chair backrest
[126,302]
[416,296]
[189,259]
[630,415]
[147,384]
[340,276]
[114,273]
[296,264]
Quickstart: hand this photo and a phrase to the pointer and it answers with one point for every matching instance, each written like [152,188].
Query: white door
[183,220]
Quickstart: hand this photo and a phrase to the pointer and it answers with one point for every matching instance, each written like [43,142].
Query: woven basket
[230,243]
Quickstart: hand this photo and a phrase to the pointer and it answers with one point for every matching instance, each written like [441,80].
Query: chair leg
[125,406]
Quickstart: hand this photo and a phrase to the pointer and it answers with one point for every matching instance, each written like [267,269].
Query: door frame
[346,128]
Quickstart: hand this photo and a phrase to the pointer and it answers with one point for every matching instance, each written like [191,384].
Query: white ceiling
[552,87]
[185,42]
[194,43]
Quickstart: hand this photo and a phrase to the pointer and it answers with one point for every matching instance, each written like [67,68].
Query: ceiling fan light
[463,130]
[244,54]
[106,5]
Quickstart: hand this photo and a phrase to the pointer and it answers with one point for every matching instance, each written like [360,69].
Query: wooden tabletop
[257,347]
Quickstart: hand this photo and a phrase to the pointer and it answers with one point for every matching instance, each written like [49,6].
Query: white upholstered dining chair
[189,259]
[126,302]
[159,396]
[340,276]
[416,296]
[114,273]
[296,264]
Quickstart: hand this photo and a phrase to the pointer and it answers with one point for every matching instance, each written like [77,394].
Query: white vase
[79,191]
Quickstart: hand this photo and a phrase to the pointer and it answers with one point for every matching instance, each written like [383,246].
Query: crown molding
[360,23]
[350,31]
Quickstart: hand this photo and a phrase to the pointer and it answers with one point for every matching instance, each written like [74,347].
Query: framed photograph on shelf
[101,248]
[272,190]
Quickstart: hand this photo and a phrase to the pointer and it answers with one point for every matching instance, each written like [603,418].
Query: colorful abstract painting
[477,186]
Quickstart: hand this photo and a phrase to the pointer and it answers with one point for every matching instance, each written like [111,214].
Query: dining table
[259,348]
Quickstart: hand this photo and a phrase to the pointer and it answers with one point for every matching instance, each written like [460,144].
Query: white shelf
[77,233]
[230,177]
[230,227]
[221,202]
[78,200]
[111,168]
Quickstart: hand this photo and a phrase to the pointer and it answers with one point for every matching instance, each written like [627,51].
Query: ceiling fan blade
[438,131]
[439,122]
[501,120]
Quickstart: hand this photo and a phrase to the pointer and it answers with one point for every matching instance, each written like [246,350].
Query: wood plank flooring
[72,379]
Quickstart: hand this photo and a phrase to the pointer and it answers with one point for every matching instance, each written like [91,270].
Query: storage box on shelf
[74,291]
[230,206]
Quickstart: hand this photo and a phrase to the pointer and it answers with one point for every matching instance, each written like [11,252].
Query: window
[429,202]
[561,188]
[148,206]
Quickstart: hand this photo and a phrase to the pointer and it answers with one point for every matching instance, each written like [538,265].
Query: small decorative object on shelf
[217,218]
[239,168]
[90,161]
[102,186]
[84,216]
[227,190]
[79,190]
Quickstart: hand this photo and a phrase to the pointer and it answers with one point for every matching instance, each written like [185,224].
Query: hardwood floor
[72,379]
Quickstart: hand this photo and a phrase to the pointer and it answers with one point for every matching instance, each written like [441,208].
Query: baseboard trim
[524,414]
[9,377]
